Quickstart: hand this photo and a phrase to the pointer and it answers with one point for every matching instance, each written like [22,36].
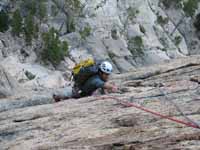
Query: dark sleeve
[99,83]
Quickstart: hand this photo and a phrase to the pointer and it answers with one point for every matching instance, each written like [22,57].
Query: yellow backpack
[83,71]
[84,63]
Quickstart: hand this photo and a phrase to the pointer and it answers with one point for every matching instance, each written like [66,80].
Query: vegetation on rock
[197,22]
[16,24]
[190,7]
[169,3]
[72,9]
[54,50]
[177,40]
[4,21]
[161,20]
[25,19]
[136,46]
[85,32]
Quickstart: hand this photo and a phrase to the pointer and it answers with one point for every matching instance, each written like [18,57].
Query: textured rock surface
[114,25]
[96,123]
[33,75]
[8,85]
[128,33]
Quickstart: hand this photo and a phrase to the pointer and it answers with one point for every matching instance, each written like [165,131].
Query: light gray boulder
[8,85]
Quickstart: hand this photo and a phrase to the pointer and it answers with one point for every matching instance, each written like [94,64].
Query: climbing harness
[130,104]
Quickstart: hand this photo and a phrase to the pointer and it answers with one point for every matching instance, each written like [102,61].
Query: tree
[29,6]
[25,19]
[36,8]
[197,22]
[85,32]
[71,9]
[54,50]
[16,23]
[189,8]
[41,10]
[36,30]
[168,3]
[29,29]
[4,21]
[74,8]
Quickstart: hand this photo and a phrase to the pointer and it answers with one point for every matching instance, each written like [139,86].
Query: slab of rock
[117,47]
[96,47]
[33,121]
[33,75]
[8,85]
[123,65]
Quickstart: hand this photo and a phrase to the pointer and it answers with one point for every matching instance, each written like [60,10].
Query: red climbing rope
[130,104]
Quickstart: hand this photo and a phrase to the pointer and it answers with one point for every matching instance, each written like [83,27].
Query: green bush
[54,11]
[70,25]
[29,29]
[42,11]
[85,32]
[34,7]
[136,46]
[54,50]
[132,13]
[177,40]
[29,75]
[4,21]
[75,5]
[163,49]
[16,23]
[32,10]
[162,21]
[29,6]
[169,3]
[190,6]
[74,8]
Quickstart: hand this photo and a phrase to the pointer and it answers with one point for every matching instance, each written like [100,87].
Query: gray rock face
[187,30]
[96,47]
[33,75]
[123,65]
[8,85]
[31,121]
[117,48]
[1,48]
[113,25]
[10,46]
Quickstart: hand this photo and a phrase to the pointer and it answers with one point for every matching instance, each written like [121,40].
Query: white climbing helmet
[106,67]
